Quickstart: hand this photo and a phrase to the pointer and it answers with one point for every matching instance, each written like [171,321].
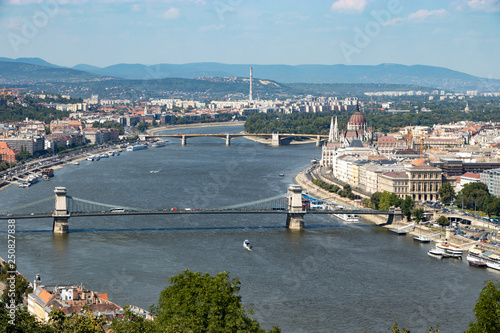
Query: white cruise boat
[422,239]
[158,144]
[437,253]
[137,147]
[492,259]
[475,258]
[350,218]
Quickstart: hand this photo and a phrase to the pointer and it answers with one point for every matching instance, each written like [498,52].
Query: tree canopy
[487,310]
[196,302]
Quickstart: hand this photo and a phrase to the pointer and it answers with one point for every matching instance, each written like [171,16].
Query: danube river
[331,277]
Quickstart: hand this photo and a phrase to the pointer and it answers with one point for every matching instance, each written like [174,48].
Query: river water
[331,277]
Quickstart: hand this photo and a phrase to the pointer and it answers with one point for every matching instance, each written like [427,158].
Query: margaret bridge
[66,207]
[277,139]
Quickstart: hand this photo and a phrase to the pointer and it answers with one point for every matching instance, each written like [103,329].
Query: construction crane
[4,91]
[410,134]
[421,146]
[8,91]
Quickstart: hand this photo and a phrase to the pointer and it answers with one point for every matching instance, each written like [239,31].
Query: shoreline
[306,183]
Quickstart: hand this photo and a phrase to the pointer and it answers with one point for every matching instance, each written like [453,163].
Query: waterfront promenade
[305,178]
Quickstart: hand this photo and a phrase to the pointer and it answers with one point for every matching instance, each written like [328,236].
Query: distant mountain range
[419,75]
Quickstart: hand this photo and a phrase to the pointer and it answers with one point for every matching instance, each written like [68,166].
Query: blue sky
[462,35]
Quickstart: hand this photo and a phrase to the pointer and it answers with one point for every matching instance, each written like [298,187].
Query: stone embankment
[304,179]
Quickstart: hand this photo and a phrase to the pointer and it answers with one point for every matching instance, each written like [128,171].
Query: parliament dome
[357,119]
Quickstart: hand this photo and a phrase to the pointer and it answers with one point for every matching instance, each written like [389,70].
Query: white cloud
[422,14]
[171,14]
[419,16]
[486,5]
[349,5]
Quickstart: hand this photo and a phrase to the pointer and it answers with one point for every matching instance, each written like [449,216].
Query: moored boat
[422,239]
[492,259]
[475,258]
[137,147]
[350,218]
[158,144]
[449,248]
[437,253]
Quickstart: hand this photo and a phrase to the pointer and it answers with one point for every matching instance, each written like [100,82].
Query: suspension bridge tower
[60,214]
[295,216]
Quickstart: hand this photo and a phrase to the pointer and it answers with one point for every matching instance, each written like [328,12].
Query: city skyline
[460,35]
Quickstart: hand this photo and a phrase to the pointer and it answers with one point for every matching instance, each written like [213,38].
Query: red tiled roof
[471,175]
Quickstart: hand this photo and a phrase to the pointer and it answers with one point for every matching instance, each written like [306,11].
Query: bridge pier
[295,216]
[396,216]
[183,140]
[275,141]
[60,215]
[318,141]
[228,140]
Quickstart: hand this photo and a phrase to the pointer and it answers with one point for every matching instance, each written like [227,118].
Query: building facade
[492,179]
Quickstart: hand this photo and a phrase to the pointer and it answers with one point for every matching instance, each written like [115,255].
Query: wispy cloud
[419,16]
[485,5]
[171,14]
[349,5]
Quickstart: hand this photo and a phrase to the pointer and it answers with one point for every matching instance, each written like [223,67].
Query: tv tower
[250,97]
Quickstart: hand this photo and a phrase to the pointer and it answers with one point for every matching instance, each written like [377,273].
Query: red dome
[357,119]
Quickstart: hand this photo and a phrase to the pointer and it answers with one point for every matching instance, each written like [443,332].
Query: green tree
[132,322]
[406,207]
[388,200]
[203,303]
[443,220]
[487,310]
[446,193]
[418,214]
[142,126]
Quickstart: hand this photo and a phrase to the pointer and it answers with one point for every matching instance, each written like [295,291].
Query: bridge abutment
[295,216]
[60,215]
[397,215]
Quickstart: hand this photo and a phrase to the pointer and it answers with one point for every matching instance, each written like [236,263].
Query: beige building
[69,299]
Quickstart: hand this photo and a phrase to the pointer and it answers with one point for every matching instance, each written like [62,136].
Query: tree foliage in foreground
[487,310]
[204,303]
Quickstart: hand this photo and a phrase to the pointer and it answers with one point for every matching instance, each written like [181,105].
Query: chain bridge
[290,204]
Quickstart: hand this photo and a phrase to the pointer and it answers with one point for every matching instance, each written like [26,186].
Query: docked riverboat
[349,218]
[492,259]
[137,147]
[475,258]
[158,144]
[437,253]
[451,250]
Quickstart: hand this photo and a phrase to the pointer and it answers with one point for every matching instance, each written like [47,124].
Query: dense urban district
[434,154]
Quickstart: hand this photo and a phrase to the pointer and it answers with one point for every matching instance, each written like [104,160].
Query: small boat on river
[246,245]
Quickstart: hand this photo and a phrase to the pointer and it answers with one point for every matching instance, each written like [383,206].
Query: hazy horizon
[461,35]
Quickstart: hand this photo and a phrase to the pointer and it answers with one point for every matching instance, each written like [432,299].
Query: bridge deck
[194,212]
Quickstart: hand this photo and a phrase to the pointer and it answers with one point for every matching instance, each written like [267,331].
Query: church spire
[330,135]
[334,131]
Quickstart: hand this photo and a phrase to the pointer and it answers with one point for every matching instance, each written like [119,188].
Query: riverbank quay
[305,178]
[437,234]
